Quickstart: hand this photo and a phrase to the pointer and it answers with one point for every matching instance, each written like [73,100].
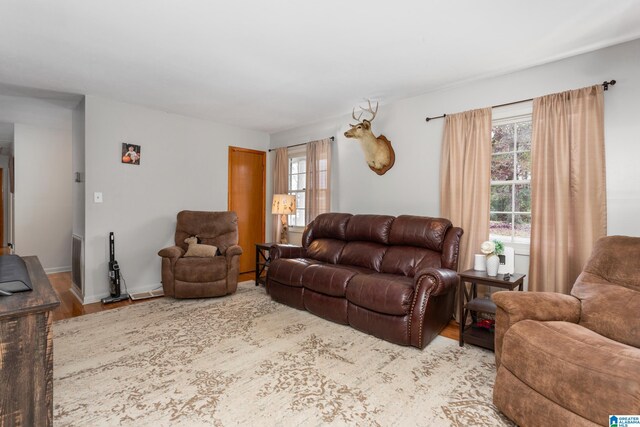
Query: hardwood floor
[70,307]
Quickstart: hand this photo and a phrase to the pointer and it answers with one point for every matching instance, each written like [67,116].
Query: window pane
[523,198]
[523,168]
[302,165]
[293,182]
[524,136]
[300,200]
[502,167]
[500,224]
[293,166]
[502,138]
[300,217]
[523,225]
[302,181]
[501,198]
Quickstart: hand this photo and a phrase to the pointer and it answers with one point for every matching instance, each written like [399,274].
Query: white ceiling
[272,65]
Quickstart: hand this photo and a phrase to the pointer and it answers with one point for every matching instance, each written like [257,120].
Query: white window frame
[295,153]
[512,114]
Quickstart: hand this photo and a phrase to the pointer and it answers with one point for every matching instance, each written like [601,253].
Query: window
[510,212]
[297,187]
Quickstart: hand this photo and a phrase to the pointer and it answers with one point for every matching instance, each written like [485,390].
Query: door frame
[263,154]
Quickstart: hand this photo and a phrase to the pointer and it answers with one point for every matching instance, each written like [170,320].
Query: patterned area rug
[245,360]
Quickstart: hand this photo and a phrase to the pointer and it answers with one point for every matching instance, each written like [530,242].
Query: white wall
[43,195]
[183,166]
[412,185]
[42,150]
[77,165]
[6,195]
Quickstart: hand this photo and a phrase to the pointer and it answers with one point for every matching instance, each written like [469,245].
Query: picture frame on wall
[130,154]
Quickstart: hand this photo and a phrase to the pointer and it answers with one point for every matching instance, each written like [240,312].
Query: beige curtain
[280,185]
[568,199]
[465,178]
[318,188]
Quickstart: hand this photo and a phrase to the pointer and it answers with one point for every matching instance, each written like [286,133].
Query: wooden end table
[262,261]
[470,304]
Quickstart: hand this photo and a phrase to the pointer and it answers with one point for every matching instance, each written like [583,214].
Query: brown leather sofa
[573,359]
[195,277]
[393,278]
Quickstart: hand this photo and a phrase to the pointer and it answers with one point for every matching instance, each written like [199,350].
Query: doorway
[247,194]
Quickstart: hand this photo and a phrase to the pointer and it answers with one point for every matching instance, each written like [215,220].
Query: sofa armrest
[233,250]
[443,280]
[171,252]
[513,307]
[286,251]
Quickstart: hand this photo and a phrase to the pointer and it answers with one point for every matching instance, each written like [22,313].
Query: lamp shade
[283,204]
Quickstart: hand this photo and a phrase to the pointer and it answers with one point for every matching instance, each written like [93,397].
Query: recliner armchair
[573,359]
[194,277]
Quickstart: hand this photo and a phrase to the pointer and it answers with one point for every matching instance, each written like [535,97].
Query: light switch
[97,197]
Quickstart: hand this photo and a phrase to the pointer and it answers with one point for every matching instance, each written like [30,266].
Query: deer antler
[370,110]
[353,114]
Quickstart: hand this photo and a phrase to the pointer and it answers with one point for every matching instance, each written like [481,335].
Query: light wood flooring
[70,307]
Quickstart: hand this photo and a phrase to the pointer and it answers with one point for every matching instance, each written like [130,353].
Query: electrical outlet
[97,197]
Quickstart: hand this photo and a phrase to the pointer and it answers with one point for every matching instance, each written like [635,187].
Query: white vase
[493,262]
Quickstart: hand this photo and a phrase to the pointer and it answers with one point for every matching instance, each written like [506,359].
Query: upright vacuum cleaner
[114,275]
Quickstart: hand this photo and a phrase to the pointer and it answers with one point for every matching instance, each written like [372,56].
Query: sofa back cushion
[369,228]
[363,254]
[609,289]
[423,232]
[404,260]
[326,226]
[218,229]
[326,250]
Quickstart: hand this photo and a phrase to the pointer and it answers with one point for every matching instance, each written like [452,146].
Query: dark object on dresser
[201,277]
[26,352]
[390,277]
[574,358]
[13,275]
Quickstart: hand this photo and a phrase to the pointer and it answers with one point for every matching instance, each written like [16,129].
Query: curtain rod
[333,138]
[604,84]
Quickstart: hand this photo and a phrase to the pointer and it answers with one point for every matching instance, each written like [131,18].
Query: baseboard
[74,292]
[57,269]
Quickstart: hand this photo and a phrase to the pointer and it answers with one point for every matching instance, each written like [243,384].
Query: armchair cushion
[171,252]
[196,269]
[573,367]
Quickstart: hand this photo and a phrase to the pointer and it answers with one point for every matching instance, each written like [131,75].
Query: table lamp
[283,205]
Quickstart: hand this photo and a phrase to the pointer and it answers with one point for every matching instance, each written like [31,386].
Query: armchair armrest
[442,279]
[171,252]
[286,251]
[233,250]
[513,307]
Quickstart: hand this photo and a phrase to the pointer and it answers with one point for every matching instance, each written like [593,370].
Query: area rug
[245,360]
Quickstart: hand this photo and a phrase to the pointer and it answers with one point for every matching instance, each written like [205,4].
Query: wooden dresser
[26,352]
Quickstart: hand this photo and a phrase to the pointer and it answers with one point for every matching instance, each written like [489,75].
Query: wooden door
[247,193]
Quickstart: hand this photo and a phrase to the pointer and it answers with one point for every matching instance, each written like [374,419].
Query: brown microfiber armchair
[194,277]
[573,360]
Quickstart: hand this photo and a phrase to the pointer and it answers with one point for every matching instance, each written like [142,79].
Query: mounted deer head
[378,151]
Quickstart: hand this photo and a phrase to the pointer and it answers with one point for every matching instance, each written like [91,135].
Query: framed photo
[130,154]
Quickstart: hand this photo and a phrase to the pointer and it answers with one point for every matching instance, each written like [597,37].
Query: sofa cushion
[288,271]
[369,228]
[363,254]
[574,367]
[201,269]
[330,279]
[404,260]
[330,226]
[325,250]
[383,293]
[419,231]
